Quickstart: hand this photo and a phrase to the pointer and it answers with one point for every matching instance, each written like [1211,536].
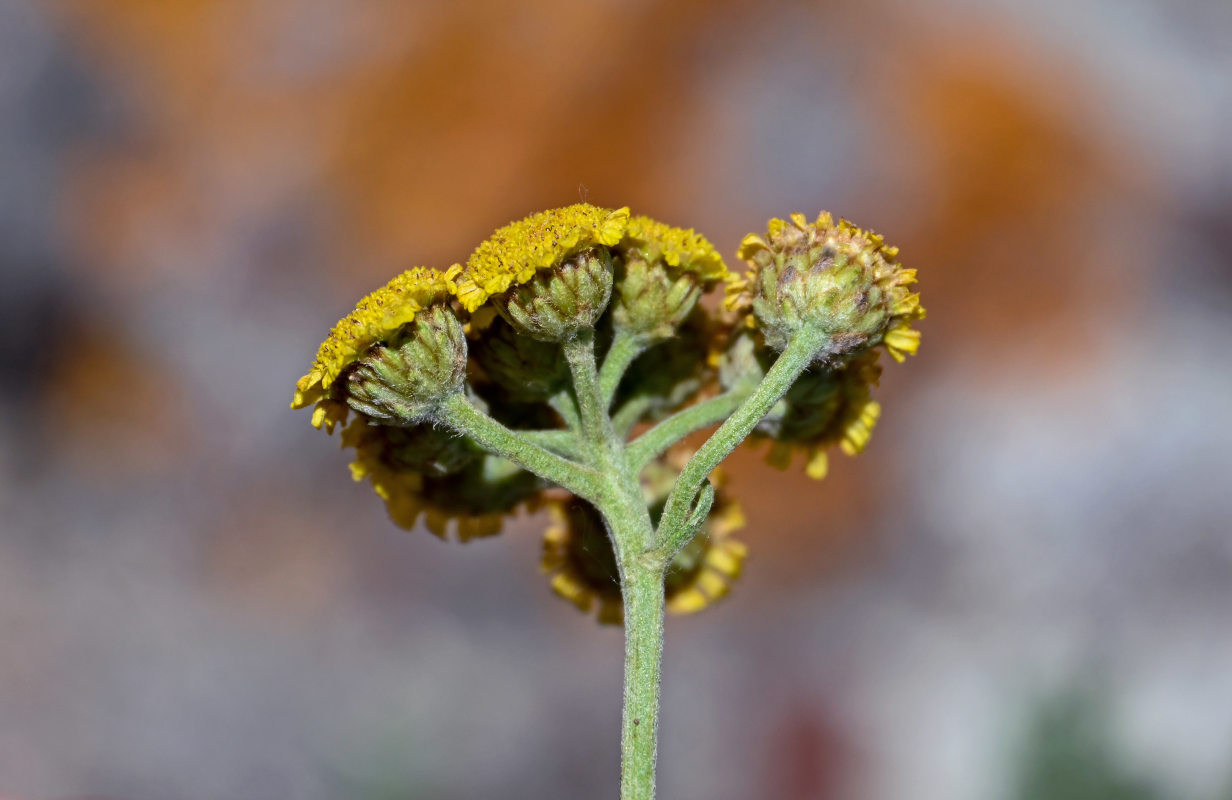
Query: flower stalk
[476,391]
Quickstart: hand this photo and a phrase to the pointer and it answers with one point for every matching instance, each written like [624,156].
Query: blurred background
[1022,590]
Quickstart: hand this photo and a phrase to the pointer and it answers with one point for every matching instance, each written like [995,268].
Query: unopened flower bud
[550,274]
[651,302]
[528,370]
[743,364]
[378,321]
[831,278]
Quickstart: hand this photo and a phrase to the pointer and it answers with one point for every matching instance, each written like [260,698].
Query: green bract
[403,382]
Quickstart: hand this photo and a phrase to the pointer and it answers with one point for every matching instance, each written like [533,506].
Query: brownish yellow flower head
[377,319]
[579,557]
[832,277]
[426,472]
[516,252]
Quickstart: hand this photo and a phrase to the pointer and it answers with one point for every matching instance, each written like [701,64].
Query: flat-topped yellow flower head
[549,274]
[663,272]
[516,252]
[377,319]
[681,249]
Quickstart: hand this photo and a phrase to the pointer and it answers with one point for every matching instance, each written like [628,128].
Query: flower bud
[833,278]
[743,364]
[528,370]
[402,382]
[549,275]
[651,302]
[672,373]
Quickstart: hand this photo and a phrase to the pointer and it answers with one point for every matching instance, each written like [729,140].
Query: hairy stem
[625,348]
[643,602]
[794,359]
[666,548]
[463,416]
[629,525]
[559,441]
[629,414]
[656,441]
[580,353]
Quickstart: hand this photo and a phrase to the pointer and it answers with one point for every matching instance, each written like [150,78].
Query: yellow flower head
[579,558]
[679,248]
[514,253]
[376,319]
[662,274]
[475,492]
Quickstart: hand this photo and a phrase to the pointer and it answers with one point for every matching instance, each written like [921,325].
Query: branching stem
[794,359]
[626,347]
[656,441]
[591,460]
[465,417]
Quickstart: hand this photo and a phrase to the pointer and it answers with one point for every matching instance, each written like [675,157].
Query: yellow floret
[682,248]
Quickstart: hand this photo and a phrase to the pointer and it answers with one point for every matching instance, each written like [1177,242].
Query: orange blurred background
[196,602]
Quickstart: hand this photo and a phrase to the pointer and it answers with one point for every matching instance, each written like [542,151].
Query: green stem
[580,353]
[625,348]
[629,524]
[665,549]
[559,441]
[563,404]
[463,416]
[794,359]
[661,437]
[643,602]
[630,414]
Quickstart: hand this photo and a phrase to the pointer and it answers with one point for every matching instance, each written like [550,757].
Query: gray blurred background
[1022,590]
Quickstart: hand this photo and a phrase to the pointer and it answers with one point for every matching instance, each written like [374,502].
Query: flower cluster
[486,336]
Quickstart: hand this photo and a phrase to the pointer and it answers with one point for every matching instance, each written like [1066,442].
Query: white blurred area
[196,602]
